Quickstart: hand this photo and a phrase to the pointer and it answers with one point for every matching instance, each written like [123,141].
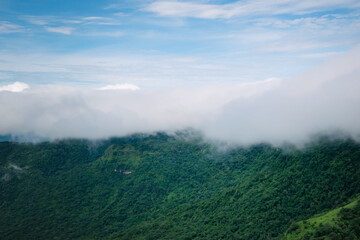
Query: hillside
[166,187]
[340,223]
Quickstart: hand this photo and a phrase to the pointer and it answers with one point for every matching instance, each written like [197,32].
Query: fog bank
[324,99]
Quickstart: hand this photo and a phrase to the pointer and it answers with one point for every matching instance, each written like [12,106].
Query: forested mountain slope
[340,223]
[166,187]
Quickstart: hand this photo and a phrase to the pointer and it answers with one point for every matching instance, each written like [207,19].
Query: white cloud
[50,20]
[112,6]
[15,87]
[54,21]
[188,9]
[125,86]
[6,27]
[146,71]
[39,20]
[52,111]
[324,99]
[94,18]
[100,21]
[72,21]
[121,14]
[240,8]
[62,30]
[319,55]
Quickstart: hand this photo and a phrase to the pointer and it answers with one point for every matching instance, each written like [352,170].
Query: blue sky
[157,44]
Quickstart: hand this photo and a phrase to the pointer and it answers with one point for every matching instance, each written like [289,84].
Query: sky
[101,68]
[155,44]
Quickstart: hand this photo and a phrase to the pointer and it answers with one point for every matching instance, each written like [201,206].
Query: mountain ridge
[178,188]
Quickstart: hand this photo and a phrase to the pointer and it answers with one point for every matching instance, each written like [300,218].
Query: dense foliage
[340,223]
[166,187]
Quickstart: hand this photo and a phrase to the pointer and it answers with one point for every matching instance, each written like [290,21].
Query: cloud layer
[125,86]
[324,99]
[61,30]
[241,8]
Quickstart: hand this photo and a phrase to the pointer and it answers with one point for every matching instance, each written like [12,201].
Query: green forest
[340,223]
[179,187]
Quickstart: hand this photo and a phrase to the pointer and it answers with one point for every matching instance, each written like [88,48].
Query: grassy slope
[330,222]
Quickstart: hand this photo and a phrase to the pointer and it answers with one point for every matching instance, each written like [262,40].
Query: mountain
[170,187]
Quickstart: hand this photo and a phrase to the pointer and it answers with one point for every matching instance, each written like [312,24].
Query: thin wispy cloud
[72,21]
[112,6]
[61,30]
[237,9]
[94,18]
[7,27]
[53,22]
[121,14]
[100,20]
[39,20]
[319,55]
[151,71]
[189,9]
[125,86]
[105,34]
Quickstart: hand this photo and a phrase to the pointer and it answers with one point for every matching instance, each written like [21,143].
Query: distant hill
[170,187]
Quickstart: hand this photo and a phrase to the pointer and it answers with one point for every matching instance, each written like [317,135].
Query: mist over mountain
[324,99]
